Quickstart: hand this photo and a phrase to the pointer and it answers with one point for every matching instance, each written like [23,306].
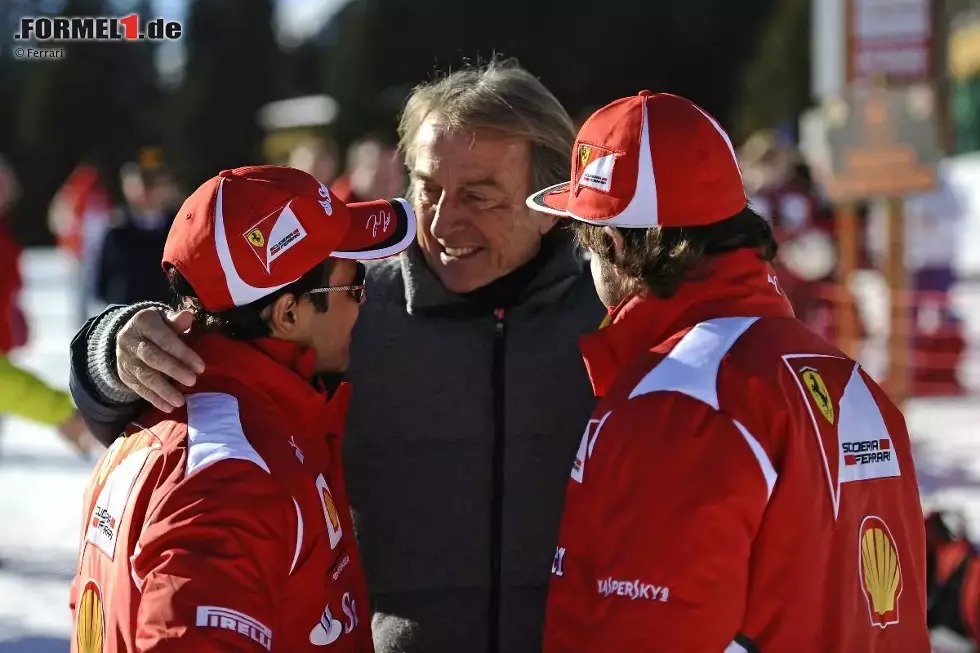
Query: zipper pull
[499,314]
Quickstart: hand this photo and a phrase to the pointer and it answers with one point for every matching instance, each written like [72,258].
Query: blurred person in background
[318,157]
[13,322]
[374,170]
[781,189]
[25,395]
[458,497]
[953,580]
[79,217]
[742,485]
[128,269]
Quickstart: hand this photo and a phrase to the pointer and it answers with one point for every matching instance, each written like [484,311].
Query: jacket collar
[736,284]
[282,371]
[559,265]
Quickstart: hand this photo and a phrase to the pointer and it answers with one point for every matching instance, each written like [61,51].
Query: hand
[150,353]
[74,431]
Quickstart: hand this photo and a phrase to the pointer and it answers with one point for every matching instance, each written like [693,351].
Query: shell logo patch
[880,571]
[90,620]
[330,513]
[256,238]
[818,390]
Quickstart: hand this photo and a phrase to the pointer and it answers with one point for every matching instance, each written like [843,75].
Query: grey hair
[501,97]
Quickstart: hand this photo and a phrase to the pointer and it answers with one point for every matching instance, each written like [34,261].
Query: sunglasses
[355,289]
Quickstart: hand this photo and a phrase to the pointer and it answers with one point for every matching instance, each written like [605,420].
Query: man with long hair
[742,485]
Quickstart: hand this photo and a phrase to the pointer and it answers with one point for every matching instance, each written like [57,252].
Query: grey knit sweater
[461,435]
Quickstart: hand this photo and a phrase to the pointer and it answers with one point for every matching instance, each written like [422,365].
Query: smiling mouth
[452,254]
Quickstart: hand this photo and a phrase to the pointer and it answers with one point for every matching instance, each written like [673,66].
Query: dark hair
[248,322]
[660,259]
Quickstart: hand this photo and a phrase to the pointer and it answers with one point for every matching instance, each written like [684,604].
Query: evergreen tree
[777,84]
[586,53]
[87,106]
[231,72]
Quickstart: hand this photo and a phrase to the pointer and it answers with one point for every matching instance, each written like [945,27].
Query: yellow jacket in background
[24,395]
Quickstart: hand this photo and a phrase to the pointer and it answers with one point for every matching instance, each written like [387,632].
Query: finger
[154,399]
[143,378]
[166,337]
[152,325]
[180,321]
[159,360]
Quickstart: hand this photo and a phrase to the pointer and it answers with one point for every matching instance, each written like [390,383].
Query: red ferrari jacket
[225,527]
[742,486]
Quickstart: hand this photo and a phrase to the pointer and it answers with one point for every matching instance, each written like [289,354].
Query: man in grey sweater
[469,391]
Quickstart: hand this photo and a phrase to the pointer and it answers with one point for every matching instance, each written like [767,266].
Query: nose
[448,218]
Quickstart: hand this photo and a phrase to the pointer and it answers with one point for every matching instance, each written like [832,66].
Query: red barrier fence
[937,338]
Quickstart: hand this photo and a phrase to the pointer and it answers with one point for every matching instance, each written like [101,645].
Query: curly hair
[658,260]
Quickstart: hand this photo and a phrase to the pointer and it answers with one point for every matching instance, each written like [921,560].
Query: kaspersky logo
[67,29]
[880,570]
[632,589]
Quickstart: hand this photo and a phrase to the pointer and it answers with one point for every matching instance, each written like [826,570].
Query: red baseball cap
[647,160]
[248,232]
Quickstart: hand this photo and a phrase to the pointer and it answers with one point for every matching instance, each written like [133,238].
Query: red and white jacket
[742,486]
[225,526]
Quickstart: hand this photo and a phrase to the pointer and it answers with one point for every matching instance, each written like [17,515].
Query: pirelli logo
[867,451]
[211,616]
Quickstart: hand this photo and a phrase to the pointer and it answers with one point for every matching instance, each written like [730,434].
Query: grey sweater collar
[424,291]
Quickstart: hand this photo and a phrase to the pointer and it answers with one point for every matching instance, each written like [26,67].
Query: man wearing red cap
[742,486]
[225,526]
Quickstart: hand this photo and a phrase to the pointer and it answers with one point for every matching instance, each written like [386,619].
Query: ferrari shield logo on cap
[270,242]
[881,571]
[594,168]
[818,390]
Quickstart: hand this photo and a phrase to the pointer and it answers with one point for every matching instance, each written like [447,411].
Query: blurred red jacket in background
[13,325]
[82,197]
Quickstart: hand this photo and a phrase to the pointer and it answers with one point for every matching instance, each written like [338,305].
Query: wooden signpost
[884,145]
[883,111]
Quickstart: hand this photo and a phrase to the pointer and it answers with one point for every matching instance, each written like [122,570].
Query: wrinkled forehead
[467,156]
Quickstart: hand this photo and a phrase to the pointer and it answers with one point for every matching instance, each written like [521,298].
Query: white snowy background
[41,479]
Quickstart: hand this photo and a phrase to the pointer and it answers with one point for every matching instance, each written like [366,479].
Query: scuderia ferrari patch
[594,168]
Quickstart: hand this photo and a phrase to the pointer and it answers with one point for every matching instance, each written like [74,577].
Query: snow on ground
[41,479]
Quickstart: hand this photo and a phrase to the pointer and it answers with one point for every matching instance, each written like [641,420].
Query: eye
[429,190]
[471,197]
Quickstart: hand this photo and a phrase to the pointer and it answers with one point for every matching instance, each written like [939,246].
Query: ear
[543,221]
[283,317]
[548,223]
[617,238]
